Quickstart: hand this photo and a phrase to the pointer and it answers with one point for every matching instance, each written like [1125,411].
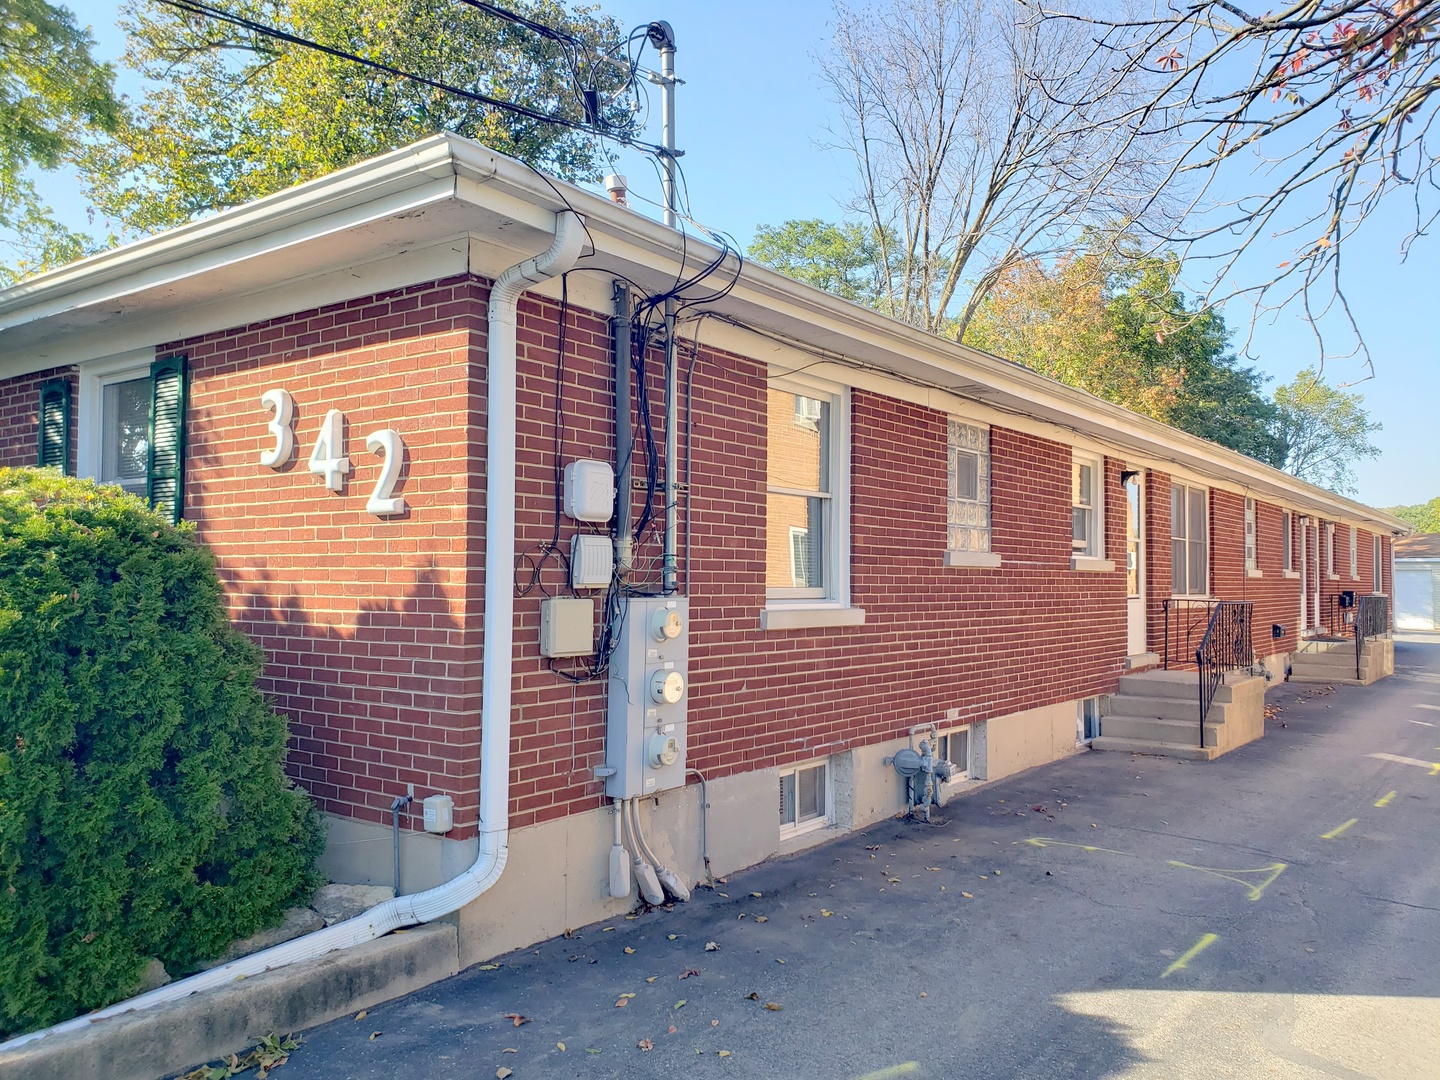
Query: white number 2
[284,407]
[388,443]
[328,458]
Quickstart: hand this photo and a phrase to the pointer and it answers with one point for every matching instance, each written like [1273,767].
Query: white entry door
[1135,565]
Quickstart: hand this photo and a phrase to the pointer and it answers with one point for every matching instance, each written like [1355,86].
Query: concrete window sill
[809,616]
[1252,573]
[1090,565]
[987,560]
[1291,573]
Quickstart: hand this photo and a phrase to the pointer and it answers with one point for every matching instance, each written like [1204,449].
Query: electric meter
[664,750]
[667,687]
[666,624]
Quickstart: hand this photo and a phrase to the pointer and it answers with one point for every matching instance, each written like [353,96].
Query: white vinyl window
[807,513]
[968,504]
[1087,721]
[1287,539]
[1354,553]
[1252,551]
[1086,532]
[1329,549]
[804,798]
[1379,567]
[955,748]
[1189,540]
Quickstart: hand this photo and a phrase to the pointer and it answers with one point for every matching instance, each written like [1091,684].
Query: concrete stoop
[230,1019]
[1334,662]
[1157,712]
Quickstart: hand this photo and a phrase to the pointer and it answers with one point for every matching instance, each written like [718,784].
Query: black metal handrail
[1186,620]
[1225,647]
[1372,620]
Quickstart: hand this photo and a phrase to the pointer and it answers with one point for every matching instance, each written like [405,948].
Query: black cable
[198,7]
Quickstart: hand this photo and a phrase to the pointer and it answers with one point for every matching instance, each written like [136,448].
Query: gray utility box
[649,692]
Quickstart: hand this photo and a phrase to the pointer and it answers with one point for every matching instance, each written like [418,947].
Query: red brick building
[878,529]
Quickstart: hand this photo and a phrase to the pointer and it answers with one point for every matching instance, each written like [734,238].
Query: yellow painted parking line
[1206,940]
[905,1068]
[1384,800]
[1333,833]
[1433,766]
[1045,841]
[1256,888]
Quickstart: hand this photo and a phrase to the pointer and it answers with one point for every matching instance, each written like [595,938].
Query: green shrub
[143,809]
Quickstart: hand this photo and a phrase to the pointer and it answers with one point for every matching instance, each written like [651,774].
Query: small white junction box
[589,490]
[567,626]
[592,561]
[439,813]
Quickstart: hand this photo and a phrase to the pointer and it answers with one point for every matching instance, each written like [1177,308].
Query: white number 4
[328,458]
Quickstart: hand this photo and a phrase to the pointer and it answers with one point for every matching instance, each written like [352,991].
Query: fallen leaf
[629,951]
[711,946]
[872,847]
[774,1006]
[723,881]
[826,913]
[517,1018]
[362,1014]
[671,1030]
[723,1053]
[932,868]
[778,960]
[489,967]
[762,918]
[645,1044]
[687,974]
[924,994]
[967,896]
[502,1072]
[509,1050]
[672,937]
[606,929]
[679,1004]
[561,1047]
[652,978]
[756,895]
[714,1023]
[591,1050]
[375,1035]
[725,895]
[893,880]
[752,996]
[1093,825]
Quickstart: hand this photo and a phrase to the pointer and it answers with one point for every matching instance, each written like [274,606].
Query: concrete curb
[172,1037]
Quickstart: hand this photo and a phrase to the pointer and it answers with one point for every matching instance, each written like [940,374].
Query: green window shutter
[55,425]
[166,480]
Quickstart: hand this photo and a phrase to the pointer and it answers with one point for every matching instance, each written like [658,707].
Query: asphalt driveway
[1274,913]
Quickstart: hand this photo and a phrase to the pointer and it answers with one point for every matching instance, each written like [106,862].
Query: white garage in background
[1417,583]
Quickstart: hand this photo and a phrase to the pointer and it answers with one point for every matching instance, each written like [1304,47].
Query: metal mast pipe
[663,38]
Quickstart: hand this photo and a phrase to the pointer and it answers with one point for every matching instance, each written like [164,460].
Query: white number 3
[284,406]
[382,501]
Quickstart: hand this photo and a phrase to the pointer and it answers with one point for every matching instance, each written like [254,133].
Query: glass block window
[968,514]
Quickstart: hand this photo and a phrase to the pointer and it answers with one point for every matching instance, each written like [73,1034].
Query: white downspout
[500,446]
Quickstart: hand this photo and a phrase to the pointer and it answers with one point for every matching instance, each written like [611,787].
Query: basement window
[1087,721]
[804,798]
[955,748]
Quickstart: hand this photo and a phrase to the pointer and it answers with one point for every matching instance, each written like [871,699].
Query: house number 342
[328,458]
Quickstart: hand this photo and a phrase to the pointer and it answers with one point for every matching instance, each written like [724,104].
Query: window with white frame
[968,503]
[1330,549]
[1189,540]
[804,797]
[1379,566]
[1087,722]
[1354,553]
[806,512]
[125,431]
[1086,474]
[1252,551]
[1287,539]
[955,748]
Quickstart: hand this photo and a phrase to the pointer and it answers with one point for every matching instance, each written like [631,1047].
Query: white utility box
[592,561]
[649,695]
[567,626]
[589,490]
[439,813]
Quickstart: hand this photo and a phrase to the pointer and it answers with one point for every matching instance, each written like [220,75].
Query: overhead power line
[198,7]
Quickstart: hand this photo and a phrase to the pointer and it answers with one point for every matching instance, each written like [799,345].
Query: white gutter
[495,691]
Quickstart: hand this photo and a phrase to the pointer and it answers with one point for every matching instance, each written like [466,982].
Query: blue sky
[752,119]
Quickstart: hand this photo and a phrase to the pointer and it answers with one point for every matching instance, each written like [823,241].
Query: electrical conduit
[497,673]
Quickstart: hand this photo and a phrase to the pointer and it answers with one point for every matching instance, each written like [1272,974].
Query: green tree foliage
[1121,329]
[143,810]
[52,93]
[842,259]
[1424,517]
[1323,431]
[233,115]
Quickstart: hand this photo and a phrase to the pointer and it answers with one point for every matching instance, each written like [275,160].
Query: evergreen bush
[143,808]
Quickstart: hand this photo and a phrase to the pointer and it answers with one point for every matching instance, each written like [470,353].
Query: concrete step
[1160,749]
[1326,680]
[1163,708]
[1153,729]
[1180,685]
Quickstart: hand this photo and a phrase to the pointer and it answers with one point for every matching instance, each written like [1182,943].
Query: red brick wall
[20,419]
